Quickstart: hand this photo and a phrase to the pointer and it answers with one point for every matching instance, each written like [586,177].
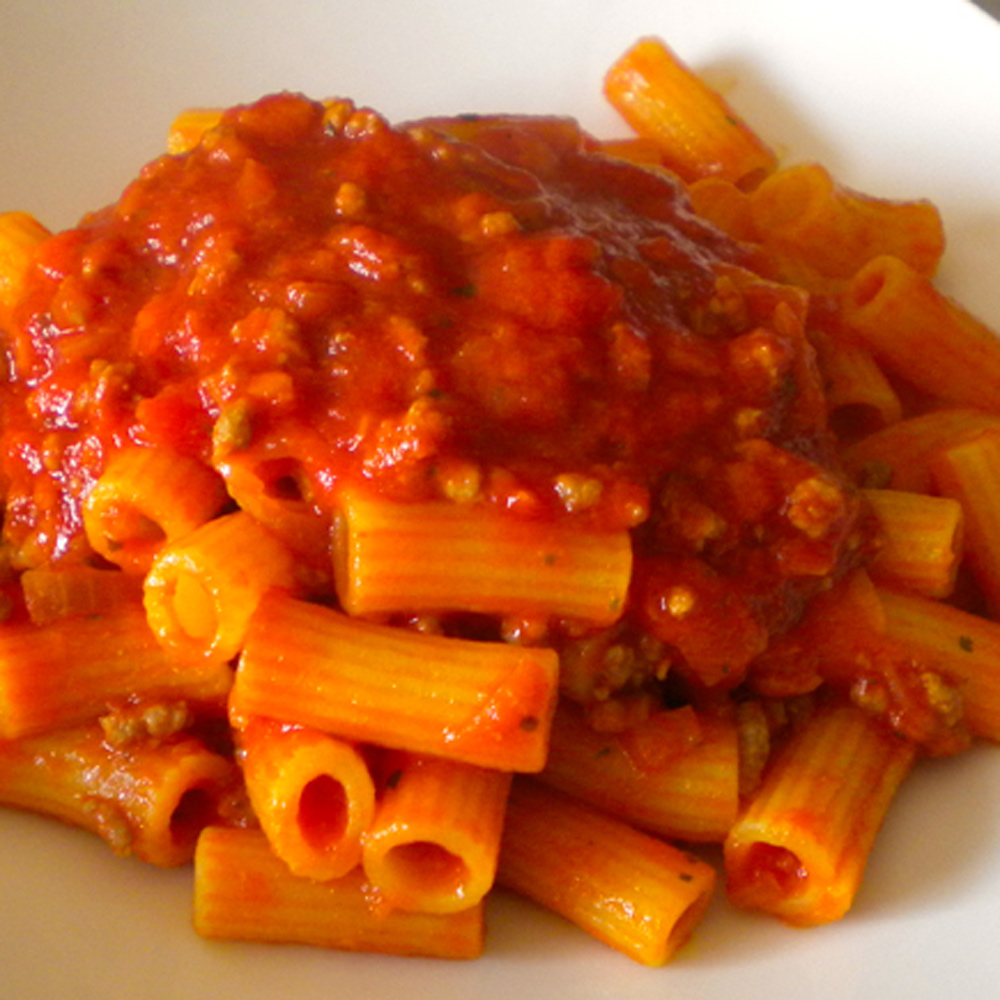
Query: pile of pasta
[343,780]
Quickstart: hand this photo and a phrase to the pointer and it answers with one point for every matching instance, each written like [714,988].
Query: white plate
[897,97]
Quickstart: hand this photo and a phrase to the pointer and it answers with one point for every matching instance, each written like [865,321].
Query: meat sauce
[475,309]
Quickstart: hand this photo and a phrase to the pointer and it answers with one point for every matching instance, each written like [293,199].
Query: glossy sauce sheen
[460,308]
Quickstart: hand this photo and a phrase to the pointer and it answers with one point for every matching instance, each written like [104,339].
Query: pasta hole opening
[323,812]
[792,199]
[687,922]
[195,810]
[194,607]
[853,421]
[775,873]
[283,479]
[130,529]
[429,867]
[868,286]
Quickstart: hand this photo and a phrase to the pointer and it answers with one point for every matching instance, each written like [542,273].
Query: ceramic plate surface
[897,98]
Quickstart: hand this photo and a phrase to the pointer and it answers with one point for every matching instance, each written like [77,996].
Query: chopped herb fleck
[465,291]
[393,780]
[965,642]
[529,724]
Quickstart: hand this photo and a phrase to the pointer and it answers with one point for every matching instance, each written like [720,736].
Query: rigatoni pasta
[899,314]
[966,473]
[312,793]
[396,511]
[242,891]
[432,845]
[922,540]
[66,672]
[481,703]
[201,589]
[799,849]
[691,796]
[144,498]
[634,892]
[698,134]
[148,797]
[453,556]
[806,216]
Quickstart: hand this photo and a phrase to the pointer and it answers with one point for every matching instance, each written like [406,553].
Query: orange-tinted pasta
[799,849]
[144,498]
[963,646]
[898,456]
[149,798]
[636,893]
[860,398]
[635,149]
[203,587]
[242,891]
[968,472]
[68,671]
[900,315]
[312,793]
[726,205]
[51,593]
[433,843]
[481,703]
[434,456]
[699,134]
[450,556]
[694,796]
[805,215]
[268,478]
[921,540]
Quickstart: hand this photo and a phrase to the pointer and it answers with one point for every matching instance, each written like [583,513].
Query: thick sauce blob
[481,310]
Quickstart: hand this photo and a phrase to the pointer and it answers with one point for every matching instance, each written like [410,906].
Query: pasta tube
[450,556]
[149,799]
[859,397]
[144,498]
[898,456]
[243,891]
[969,473]
[483,703]
[699,133]
[68,671]
[434,841]
[635,893]
[801,212]
[903,319]
[51,593]
[694,796]
[266,474]
[800,848]
[725,205]
[963,647]
[202,588]
[313,794]
[921,541]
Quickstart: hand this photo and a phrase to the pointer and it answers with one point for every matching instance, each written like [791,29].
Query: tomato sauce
[468,308]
